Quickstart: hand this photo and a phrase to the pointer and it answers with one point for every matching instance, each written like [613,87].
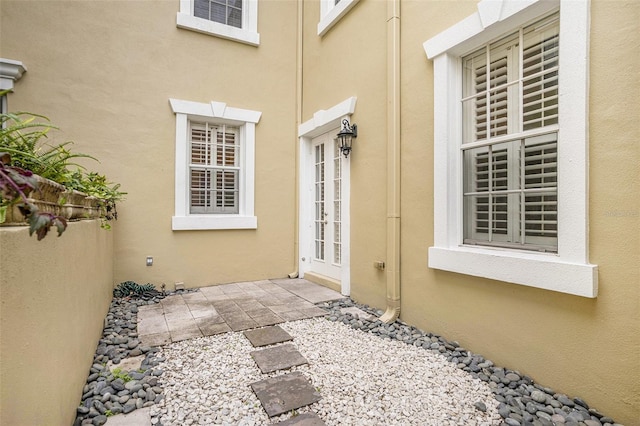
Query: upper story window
[511,145]
[231,19]
[227,12]
[331,11]
[215,166]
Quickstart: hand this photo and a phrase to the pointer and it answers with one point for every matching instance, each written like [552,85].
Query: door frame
[323,121]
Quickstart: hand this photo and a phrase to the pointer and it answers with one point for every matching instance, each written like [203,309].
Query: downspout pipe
[393,163]
[299,52]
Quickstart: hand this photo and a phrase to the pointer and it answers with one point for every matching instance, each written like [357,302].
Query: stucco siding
[54,296]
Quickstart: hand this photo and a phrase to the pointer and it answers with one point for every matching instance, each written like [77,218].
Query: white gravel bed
[363,380]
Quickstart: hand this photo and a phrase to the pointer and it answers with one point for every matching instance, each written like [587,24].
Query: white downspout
[393,162]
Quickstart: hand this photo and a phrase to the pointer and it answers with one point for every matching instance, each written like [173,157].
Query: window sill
[204,222]
[540,270]
[216,29]
[334,15]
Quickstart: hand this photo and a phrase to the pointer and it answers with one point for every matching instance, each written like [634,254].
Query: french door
[327,228]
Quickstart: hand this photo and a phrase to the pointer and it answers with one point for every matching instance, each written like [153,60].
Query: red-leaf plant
[14,183]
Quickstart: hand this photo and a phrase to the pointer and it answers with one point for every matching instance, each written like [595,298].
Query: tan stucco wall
[583,347]
[104,72]
[54,295]
[109,89]
[350,60]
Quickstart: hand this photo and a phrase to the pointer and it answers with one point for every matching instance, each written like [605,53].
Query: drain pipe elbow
[392,313]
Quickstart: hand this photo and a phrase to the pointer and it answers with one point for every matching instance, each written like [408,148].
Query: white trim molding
[248,34]
[10,72]
[217,113]
[324,121]
[331,13]
[569,270]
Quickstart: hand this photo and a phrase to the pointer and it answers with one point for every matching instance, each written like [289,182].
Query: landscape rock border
[522,401]
[109,390]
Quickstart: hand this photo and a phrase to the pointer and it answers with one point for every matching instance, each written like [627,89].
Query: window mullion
[490,188]
[522,194]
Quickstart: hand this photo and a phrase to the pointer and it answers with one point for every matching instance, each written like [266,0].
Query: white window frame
[331,13]
[568,270]
[248,34]
[215,113]
[10,72]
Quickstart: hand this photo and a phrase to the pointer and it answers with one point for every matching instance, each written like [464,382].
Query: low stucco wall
[54,295]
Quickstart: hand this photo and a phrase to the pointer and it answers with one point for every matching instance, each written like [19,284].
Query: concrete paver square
[181,324]
[175,309]
[278,358]
[281,308]
[226,306]
[157,339]
[267,336]
[314,312]
[185,333]
[258,312]
[181,315]
[250,305]
[269,319]
[209,328]
[306,419]
[240,325]
[176,299]
[269,301]
[284,393]
[152,325]
[150,309]
[195,296]
[217,297]
[292,315]
[141,417]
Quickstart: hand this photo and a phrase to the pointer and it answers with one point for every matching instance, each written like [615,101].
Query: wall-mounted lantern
[346,136]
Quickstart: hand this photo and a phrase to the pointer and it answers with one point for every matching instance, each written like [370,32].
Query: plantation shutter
[227,12]
[214,169]
[510,87]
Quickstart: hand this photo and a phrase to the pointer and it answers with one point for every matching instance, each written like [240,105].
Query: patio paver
[230,307]
[278,358]
[267,336]
[306,419]
[285,393]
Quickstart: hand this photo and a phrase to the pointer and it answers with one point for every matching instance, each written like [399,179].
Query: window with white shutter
[228,12]
[231,19]
[510,117]
[215,166]
[511,144]
[214,169]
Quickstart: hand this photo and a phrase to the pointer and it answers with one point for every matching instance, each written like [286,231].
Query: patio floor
[230,307]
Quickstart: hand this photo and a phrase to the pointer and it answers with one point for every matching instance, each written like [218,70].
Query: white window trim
[568,271]
[248,34]
[217,113]
[331,13]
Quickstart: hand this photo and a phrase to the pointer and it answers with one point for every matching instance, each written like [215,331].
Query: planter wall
[51,197]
